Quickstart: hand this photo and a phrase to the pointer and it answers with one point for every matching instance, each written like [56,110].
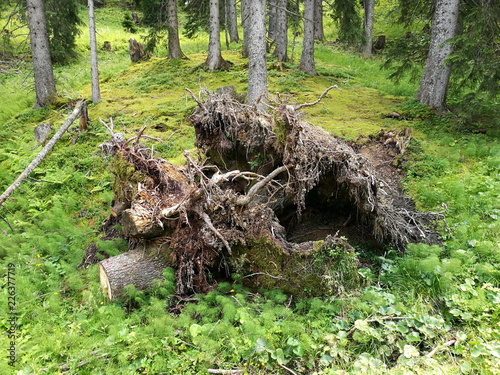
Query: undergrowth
[432,310]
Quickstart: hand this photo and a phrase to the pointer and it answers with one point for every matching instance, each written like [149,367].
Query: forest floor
[431,309]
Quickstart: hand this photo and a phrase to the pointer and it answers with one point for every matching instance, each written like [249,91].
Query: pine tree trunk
[307,58]
[94,70]
[281,32]
[244,21]
[214,59]
[273,22]
[435,80]
[257,69]
[45,87]
[232,21]
[174,45]
[319,33]
[369,6]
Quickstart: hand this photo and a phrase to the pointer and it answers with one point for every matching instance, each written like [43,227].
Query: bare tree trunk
[174,45]
[94,69]
[257,69]
[319,33]
[45,87]
[307,58]
[281,32]
[273,22]
[369,6]
[214,59]
[435,80]
[232,21]
[245,4]
[45,150]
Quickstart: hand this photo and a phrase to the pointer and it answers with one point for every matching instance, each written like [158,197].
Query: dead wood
[235,212]
[45,150]
[138,267]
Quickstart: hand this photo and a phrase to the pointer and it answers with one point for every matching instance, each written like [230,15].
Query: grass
[415,303]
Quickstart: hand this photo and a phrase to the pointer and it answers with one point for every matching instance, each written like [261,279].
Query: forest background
[431,309]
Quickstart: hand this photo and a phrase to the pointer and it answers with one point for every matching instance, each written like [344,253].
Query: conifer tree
[45,87]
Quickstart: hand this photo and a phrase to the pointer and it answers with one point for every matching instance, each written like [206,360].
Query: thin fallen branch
[219,371]
[263,273]
[288,369]
[319,99]
[45,150]
[437,348]
[6,222]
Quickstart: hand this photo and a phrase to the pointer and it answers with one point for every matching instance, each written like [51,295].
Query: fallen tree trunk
[135,267]
[45,150]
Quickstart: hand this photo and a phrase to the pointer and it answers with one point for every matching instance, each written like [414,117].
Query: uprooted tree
[262,202]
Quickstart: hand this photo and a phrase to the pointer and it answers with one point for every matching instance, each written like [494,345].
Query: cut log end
[136,267]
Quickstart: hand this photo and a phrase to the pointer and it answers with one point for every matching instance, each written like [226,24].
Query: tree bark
[232,21]
[94,69]
[435,80]
[273,22]
[369,6]
[281,32]
[257,69]
[174,45]
[45,87]
[214,60]
[245,13]
[307,58]
[138,267]
[45,150]
[319,33]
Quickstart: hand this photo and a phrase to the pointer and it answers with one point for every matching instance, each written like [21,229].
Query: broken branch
[319,99]
[45,150]
[200,104]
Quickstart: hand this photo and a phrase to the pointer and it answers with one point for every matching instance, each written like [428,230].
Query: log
[45,150]
[138,267]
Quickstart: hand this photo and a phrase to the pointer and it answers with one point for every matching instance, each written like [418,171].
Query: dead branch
[200,104]
[319,99]
[244,200]
[45,150]
[220,371]
[288,369]
[439,347]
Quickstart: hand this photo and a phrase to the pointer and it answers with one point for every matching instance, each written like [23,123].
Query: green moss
[328,269]
[126,179]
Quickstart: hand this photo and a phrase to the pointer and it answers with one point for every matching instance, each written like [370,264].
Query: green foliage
[63,24]
[197,15]
[346,14]
[475,55]
[128,23]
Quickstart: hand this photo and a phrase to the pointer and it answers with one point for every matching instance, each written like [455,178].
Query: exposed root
[208,213]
